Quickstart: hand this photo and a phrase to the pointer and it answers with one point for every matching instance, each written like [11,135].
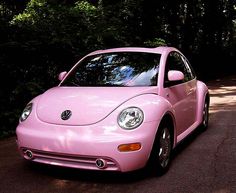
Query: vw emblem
[66,114]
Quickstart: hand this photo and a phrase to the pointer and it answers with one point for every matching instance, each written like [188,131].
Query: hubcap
[165,147]
[205,114]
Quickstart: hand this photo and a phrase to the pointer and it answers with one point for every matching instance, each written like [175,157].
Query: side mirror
[62,75]
[175,75]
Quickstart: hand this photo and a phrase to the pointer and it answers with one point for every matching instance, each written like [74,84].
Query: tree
[40,38]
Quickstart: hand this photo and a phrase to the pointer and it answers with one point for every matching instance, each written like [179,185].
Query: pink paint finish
[92,131]
[62,75]
[175,75]
[85,103]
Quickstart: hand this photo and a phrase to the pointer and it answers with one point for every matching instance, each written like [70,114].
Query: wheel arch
[168,118]
[207,97]
[202,95]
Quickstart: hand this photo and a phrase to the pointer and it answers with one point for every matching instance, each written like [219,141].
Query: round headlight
[130,118]
[26,112]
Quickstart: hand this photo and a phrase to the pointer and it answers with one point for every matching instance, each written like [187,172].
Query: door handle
[190,91]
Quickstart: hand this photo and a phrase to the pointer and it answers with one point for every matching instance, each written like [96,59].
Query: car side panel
[183,99]
[190,103]
[201,92]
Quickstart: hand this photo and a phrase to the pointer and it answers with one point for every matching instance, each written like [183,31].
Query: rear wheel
[205,115]
[161,152]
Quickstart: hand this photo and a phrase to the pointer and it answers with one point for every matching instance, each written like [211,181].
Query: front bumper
[81,146]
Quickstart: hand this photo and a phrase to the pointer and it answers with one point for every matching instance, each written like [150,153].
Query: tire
[205,116]
[160,157]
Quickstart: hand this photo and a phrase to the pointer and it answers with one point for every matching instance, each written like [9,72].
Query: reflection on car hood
[87,104]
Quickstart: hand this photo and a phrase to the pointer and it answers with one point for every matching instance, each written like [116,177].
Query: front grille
[68,160]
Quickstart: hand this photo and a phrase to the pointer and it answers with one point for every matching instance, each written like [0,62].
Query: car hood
[87,104]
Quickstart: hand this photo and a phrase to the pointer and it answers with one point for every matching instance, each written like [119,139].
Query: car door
[181,94]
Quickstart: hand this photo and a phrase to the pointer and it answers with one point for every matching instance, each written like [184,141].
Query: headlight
[26,112]
[130,118]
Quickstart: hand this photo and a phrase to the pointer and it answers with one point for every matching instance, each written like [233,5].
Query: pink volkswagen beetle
[117,110]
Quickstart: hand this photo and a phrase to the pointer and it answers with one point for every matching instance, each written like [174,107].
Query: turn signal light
[129,147]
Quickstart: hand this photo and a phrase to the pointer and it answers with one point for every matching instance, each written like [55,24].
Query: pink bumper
[81,146]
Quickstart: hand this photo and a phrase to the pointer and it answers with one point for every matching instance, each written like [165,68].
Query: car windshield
[116,69]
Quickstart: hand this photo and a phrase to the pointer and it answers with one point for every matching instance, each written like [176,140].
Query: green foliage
[85,8]
[40,38]
[30,15]
[155,43]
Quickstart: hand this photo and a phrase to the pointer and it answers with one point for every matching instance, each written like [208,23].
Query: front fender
[153,106]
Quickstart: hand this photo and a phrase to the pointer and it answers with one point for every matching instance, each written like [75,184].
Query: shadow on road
[86,175]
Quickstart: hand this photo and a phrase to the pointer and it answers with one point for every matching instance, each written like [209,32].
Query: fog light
[29,154]
[129,147]
[101,163]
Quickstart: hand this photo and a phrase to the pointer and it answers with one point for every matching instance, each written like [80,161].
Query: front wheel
[161,152]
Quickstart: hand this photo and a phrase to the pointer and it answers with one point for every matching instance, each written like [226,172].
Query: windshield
[116,69]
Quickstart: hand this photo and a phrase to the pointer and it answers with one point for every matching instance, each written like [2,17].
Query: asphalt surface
[204,162]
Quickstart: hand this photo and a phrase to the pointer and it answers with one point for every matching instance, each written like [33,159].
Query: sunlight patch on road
[223,95]
[60,183]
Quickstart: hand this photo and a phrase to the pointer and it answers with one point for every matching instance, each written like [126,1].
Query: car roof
[158,50]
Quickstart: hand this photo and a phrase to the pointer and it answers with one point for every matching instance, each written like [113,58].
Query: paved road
[205,162]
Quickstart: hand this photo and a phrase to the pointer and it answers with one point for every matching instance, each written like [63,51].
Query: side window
[189,68]
[175,61]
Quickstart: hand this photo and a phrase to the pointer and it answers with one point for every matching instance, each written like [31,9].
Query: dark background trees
[40,38]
